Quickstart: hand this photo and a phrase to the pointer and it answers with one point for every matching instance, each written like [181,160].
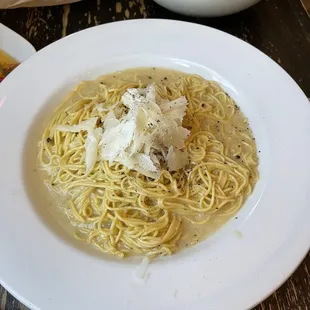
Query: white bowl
[14,44]
[207,8]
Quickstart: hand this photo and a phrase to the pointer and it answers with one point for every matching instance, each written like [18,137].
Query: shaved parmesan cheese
[141,163]
[174,110]
[176,159]
[141,270]
[100,108]
[110,120]
[178,136]
[145,162]
[116,139]
[152,125]
[91,145]
[85,125]
[91,142]
[149,135]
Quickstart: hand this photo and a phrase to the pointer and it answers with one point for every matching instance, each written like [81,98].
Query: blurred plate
[14,44]
[306,5]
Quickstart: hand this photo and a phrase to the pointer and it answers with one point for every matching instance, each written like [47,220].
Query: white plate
[226,271]
[14,44]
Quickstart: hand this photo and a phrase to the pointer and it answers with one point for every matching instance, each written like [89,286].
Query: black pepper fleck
[99,122]
[48,140]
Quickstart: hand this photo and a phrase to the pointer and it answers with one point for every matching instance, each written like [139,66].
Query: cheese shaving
[150,133]
[176,159]
[141,269]
[92,140]
[155,126]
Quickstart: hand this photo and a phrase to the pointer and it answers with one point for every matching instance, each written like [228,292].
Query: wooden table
[279,28]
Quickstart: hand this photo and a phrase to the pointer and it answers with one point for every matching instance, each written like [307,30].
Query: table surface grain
[279,28]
